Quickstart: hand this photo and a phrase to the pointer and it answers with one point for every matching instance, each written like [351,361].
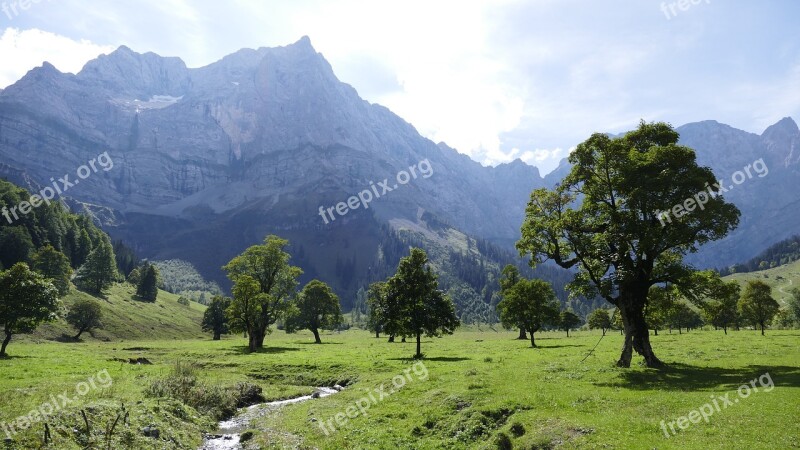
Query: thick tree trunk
[403,339]
[762,328]
[567,332]
[655,331]
[725,329]
[391,338]
[637,336]
[256,339]
[5,344]
[522,335]
[419,346]
[377,334]
[533,342]
[78,336]
[217,336]
[604,331]
[317,340]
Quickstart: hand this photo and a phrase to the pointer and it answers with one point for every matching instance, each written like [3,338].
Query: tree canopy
[756,304]
[607,220]
[26,300]
[264,284]
[315,308]
[532,304]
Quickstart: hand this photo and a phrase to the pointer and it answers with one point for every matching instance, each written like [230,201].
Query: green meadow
[481,389]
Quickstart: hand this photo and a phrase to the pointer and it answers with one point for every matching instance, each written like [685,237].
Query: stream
[228,433]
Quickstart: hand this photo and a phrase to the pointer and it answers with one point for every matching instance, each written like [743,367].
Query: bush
[215,401]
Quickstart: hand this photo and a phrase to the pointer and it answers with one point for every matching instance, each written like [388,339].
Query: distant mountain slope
[208,161]
[782,279]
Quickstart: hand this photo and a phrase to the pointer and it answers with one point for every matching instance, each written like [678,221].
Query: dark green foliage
[100,269]
[85,315]
[125,257]
[779,254]
[599,318]
[264,284]
[54,265]
[315,308]
[26,300]
[71,234]
[147,289]
[16,245]
[531,304]
[569,320]
[415,305]
[794,305]
[756,304]
[604,219]
[214,318]
[721,309]
[376,307]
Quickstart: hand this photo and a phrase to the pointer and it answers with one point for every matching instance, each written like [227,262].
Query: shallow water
[228,433]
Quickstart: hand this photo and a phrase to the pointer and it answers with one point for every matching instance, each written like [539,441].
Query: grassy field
[781,278]
[477,390]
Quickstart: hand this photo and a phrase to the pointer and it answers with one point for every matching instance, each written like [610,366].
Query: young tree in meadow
[99,271]
[616,321]
[85,315]
[147,289]
[682,316]
[509,278]
[794,305]
[756,304]
[605,220]
[315,308]
[599,319]
[26,300]
[54,265]
[423,308]
[569,320]
[721,308]
[533,304]
[266,267]
[214,318]
[376,307]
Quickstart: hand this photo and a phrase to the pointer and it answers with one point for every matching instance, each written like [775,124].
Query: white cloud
[24,50]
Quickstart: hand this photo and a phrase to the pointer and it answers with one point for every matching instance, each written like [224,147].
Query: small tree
[147,289]
[100,269]
[424,309]
[531,303]
[54,265]
[599,318]
[660,304]
[214,318]
[85,315]
[721,310]
[756,304]
[508,279]
[26,300]
[315,307]
[569,320]
[376,307]
[794,305]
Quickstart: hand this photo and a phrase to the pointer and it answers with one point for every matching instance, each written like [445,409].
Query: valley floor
[476,389]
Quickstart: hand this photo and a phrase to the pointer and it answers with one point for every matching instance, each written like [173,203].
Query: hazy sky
[496,80]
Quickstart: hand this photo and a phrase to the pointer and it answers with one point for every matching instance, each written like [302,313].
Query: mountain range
[207,161]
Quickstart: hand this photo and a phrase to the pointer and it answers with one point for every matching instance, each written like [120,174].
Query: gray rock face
[217,156]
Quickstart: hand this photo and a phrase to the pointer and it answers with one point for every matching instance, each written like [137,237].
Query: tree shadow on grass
[321,343]
[268,350]
[557,346]
[435,359]
[684,377]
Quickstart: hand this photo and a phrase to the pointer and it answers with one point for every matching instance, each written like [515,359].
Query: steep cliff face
[208,160]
